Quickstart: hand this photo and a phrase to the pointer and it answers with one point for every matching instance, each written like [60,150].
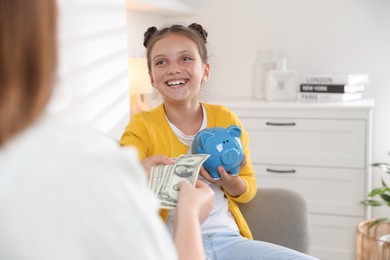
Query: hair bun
[199,29]
[148,35]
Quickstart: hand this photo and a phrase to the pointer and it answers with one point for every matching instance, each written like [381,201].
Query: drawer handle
[280,124]
[281,171]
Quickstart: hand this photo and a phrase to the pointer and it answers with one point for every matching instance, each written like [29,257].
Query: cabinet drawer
[333,237]
[326,190]
[307,142]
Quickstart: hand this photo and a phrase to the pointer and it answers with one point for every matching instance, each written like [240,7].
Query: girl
[178,67]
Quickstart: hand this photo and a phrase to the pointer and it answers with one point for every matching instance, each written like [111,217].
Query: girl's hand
[195,200]
[154,160]
[233,185]
[243,162]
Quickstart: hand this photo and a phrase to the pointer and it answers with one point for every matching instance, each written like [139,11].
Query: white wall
[92,84]
[333,36]
[137,24]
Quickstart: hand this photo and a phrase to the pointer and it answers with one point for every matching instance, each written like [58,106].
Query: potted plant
[382,193]
[373,236]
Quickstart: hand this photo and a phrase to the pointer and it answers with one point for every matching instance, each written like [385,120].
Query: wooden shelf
[161,7]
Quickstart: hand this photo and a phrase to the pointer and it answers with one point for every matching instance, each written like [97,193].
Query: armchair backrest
[278,216]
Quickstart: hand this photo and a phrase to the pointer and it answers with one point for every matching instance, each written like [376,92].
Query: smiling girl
[178,68]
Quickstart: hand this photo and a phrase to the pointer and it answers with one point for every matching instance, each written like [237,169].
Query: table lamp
[140,85]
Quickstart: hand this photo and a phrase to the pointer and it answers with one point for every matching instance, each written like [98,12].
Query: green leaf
[378,220]
[374,192]
[384,166]
[384,183]
[374,203]
[378,191]
[385,197]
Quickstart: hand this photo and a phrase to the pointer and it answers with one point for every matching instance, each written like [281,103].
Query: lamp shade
[139,79]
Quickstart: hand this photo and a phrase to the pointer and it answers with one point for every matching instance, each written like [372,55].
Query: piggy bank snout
[230,156]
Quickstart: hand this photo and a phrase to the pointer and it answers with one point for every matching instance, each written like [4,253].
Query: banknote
[164,179]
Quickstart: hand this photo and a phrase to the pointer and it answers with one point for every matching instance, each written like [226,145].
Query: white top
[220,219]
[70,193]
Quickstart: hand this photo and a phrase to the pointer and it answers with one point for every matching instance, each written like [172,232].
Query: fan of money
[165,178]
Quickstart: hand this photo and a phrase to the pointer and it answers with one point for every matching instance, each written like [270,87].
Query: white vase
[281,83]
[266,60]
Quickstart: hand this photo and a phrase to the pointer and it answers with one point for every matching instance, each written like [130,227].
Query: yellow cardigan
[150,132]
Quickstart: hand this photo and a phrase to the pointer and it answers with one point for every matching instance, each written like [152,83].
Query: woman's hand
[193,206]
[154,160]
[195,200]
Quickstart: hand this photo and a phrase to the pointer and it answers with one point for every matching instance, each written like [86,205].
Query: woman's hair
[28,57]
[194,32]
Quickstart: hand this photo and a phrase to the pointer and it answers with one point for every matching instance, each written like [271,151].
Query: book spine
[303,96]
[322,88]
[336,79]
[324,80]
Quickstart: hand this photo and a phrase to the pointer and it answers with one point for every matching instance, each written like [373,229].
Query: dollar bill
[164,179]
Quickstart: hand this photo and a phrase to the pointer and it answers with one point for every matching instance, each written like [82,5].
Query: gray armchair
[278,216]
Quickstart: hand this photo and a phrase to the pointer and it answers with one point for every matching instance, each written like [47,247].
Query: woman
[67,192]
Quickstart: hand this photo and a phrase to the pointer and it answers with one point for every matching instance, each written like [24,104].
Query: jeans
[232,246]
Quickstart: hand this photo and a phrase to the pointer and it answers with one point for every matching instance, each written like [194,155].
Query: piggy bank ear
[204,137]
[234,130]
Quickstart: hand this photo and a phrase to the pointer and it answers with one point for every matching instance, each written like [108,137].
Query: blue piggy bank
[223,145]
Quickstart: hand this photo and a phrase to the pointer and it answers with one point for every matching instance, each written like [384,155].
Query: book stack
[332,87]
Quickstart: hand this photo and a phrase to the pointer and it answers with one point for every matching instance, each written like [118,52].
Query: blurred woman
[67,192]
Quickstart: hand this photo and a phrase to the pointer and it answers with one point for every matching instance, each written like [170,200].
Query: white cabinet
[322,151]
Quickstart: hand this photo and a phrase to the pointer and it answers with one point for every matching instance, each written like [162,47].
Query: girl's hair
[194,32]
[28,57]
